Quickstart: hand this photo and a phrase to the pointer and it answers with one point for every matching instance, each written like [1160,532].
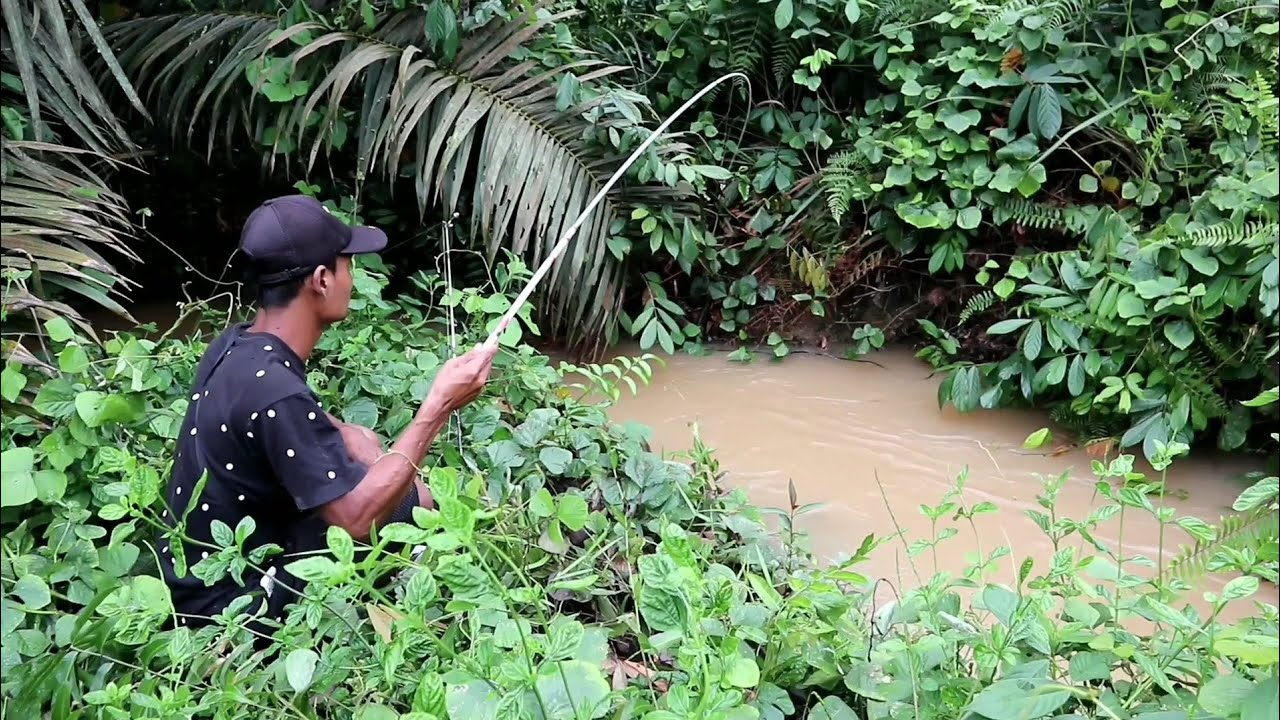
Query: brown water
[870,443]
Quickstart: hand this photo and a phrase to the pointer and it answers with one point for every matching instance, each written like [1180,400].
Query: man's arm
[365,447]
[384,485]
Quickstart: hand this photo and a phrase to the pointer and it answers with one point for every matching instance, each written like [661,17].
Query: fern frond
[1041,216]
[1257,234]
[786,58]
[1234,531]
[977,304]
[1087,428]
[844,180]
[1197,377]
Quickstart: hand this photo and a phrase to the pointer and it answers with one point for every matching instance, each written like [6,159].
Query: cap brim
[365,240]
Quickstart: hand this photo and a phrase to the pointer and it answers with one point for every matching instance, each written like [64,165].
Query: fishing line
[563,243]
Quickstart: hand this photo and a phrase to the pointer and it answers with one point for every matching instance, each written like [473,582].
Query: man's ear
[320,280]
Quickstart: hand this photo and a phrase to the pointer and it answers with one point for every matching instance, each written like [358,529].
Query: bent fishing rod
[563,243]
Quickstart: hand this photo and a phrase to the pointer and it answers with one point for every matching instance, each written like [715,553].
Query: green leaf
[1037,439]
[741,672]
[1019,109]
[1019,699]
[831,708]
[300,668]
[542,504]
[1046,112]
[715,172]
[363,412]
[966,389]
[969,218]
[573,512]
[852,11]
[33,591]
[1224,695]
[98,408]
[555,459]
[1180,333]
[783,14]
[1076,376]
[12,382]
[1088,183]
[1090,666]
[59,329]
[1240,588]
[1255,496]
[17,485]
[1033,341]
[1264,398]
[376,711]
[1007,326]
[1002,602]
[569,690]
[1264,702]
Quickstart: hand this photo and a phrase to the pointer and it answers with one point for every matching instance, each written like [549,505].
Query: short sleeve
[306,451]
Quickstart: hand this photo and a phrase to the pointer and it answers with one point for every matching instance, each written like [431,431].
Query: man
[270,450]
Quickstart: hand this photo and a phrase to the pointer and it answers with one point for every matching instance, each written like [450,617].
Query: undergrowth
[570,573]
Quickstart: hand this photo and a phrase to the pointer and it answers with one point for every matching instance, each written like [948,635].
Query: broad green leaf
[852,11]
[783,14]
[98,408]
[1005,327]
[300,668]
[969,218]
[12,382]
[831,708]
[1019,699]
[1224,695]
[33,591]
[741,672]
[1046,112]
[376,711]
[573,512]
[1257,495]
[542,504]
[1076,376]
[1264,702]
[1002,602]
[1240,588]
[555,459]
[1264,398]
[1033,341]
[1180,333]
[474,700]
[362,411]
[571,690]
[1037,439]
[59,329]
[17,484]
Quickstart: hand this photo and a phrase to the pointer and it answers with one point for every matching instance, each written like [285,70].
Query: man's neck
[300,331]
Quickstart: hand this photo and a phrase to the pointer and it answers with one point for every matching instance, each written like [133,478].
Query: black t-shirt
[271,453]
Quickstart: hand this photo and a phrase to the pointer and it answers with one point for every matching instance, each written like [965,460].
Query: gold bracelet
[407,459]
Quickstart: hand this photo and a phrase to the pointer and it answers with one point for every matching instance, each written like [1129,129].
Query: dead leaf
[382,618]
[1100,448]
[624,671]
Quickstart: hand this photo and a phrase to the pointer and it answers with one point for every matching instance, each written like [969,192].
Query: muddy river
[869,442]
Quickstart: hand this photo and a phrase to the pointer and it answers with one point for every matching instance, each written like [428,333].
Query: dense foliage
[568,572]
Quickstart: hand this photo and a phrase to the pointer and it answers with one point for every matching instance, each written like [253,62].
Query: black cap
[289,237]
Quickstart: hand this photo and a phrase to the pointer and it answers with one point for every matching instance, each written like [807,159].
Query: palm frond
[485,127]
[60,221]
[60,92]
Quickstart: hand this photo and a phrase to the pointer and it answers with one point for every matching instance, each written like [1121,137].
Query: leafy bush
[568,572]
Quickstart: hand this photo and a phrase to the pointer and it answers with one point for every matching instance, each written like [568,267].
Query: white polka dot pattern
[289,452]
[271,413]
[260,373]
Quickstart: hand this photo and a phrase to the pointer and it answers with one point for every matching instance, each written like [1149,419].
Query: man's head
[300,255]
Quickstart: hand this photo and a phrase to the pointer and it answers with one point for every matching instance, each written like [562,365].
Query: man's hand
[462,379]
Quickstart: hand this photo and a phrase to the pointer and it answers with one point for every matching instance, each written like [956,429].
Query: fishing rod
[563,243]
